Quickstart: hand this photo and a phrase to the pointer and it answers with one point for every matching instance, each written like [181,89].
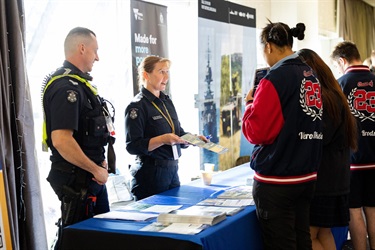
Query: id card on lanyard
[175,152]
[170,122]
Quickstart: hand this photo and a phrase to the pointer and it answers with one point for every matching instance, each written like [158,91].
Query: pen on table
[208,137]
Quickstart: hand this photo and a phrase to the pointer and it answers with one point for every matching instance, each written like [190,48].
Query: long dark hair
[330,91]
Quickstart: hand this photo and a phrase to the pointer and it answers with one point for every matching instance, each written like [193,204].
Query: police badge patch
[72,96]
[133,113]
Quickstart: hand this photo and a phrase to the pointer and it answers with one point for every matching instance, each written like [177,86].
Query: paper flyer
[195,140]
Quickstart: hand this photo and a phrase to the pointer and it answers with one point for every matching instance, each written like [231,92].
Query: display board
[148,34]
[227,59]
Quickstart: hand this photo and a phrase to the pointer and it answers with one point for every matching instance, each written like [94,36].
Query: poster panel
[227,59]
[5,240]
[149,34]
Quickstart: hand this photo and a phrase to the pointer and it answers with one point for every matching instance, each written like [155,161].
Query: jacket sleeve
[263,119]
[135,124]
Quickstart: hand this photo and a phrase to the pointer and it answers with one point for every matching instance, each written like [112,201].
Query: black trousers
[64,175]
[58,178]
[153,176]
[283,212]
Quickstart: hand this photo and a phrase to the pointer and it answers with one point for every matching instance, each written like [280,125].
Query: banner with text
[149,34]
[227,60]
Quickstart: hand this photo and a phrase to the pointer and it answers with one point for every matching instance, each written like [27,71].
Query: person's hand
[104,164]
[100,175]
[204,138]
[172,139]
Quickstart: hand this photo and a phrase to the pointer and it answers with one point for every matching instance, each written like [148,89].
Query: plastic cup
[207,177]
[209,167]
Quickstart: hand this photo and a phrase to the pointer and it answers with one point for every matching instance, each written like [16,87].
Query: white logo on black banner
[137,15]
[161,18]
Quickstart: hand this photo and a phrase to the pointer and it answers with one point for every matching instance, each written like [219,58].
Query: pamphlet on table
[144,207]
[124,215]
[178,228]
[226,202]
[227,210]
[238,192]
[192,217]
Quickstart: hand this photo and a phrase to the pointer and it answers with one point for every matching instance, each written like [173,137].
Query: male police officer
[76,131]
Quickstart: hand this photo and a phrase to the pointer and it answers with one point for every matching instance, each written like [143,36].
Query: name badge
[175,152]
[157,117]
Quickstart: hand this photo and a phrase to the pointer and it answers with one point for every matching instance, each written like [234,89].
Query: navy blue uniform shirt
[67,98]
[143,122]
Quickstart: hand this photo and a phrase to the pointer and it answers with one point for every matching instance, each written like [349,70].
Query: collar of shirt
[76,70]
[152,97]
[357,68]
[292,56]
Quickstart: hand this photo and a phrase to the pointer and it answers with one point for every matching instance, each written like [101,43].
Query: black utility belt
[64,166]
[159,162]
[67,167]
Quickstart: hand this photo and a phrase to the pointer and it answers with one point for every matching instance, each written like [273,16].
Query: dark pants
[58,178]
[152,178]
[283,212]
[65,176]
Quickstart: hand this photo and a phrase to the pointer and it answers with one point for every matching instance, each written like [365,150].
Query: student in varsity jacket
[284,121]
[330,205]
[357,83]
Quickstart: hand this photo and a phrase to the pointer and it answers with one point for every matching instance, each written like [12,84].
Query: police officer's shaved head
[75,37]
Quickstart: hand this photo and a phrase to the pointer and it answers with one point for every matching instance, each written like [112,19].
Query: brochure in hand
[195,140]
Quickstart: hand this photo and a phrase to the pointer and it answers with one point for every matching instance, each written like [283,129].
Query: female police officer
[153,132]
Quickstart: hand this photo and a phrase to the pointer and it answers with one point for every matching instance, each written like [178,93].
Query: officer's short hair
[77,32]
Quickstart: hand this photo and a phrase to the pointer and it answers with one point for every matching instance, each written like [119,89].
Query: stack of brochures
[191,220]
[178,228]
[238,192]
[137,211]
[192,216]
[226,202]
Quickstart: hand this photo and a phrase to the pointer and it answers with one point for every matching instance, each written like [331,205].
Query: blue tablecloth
[240,231]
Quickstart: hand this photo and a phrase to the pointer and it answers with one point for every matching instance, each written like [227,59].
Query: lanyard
[169,119]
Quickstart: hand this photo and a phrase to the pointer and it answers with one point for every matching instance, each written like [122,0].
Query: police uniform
[146,117]
[285,123]
[358,85]
[71,104]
